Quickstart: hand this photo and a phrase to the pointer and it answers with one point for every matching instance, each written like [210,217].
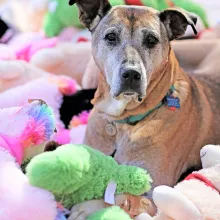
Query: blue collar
[132,120]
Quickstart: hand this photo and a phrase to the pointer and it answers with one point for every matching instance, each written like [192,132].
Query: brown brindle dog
[130,120]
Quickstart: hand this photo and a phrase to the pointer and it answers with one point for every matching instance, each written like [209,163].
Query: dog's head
[130,42]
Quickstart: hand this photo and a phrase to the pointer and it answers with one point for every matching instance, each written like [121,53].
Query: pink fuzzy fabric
[54,87]
[68,33]
[81,119]
[21,127]
[26,52]
[77,134]
[19,200]
[25,126]
[45,88]
[22,39]
[36,89]
[11,130]
[25,45]
[74,135]
[62,136]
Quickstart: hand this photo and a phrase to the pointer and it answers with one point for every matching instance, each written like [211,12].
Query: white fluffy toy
[195,198]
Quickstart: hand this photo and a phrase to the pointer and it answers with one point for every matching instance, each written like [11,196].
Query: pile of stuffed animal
[71,176]
[47,79]
[77,173]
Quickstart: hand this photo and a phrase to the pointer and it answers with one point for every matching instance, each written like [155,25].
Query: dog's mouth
[130,95]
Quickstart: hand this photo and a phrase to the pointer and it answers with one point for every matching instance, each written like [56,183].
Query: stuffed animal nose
[131,75]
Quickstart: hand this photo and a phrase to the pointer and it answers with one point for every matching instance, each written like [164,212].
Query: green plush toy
[78,173]
[112,213]
[60,15]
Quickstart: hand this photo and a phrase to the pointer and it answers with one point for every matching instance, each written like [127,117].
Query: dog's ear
[176,21]
[91,11]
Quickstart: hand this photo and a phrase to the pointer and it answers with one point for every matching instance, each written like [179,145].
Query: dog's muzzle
[131,82]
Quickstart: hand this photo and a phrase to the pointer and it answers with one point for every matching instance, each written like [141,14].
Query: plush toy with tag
[59,16]
[195,198]
[78,173]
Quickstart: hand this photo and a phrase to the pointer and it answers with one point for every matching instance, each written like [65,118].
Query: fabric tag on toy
[172,102]
[110,193]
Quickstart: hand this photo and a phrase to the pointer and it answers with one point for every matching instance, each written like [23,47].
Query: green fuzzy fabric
[117,2]
[63,15]
[78,173]
[112,213]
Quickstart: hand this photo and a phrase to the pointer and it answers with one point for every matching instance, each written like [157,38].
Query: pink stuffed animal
[195,198]
[23,46]
[51,89]
[73,60]
[14,73]
[20,128]
[78,127]
[49,55]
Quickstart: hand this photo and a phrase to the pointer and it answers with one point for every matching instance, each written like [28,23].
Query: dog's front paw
[83,210]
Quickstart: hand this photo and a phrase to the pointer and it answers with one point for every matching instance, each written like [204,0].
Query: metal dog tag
[172,102]
[110,130]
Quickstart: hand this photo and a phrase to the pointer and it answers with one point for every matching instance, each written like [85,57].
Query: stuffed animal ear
[91,11]
[176,22]
[210,156]
[174,204]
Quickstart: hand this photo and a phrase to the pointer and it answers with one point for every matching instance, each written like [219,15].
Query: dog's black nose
[131,75]
[130,82]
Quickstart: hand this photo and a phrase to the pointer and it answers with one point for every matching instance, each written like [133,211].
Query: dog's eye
[111,37]
[151,41]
